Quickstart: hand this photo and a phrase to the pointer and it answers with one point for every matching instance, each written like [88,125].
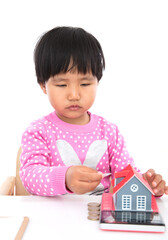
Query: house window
[126,202]
[141,203]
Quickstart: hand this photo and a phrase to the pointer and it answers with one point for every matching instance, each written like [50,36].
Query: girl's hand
[156,182]
[82,179]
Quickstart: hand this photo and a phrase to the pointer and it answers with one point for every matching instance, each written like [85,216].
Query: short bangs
[63,49]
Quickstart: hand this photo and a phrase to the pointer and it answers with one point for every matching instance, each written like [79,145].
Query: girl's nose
[73,94]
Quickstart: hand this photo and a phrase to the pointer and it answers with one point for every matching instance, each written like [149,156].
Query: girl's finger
[90,177]
[160,189]
[156,180]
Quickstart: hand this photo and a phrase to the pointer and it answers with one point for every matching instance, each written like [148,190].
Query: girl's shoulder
[39,124]
[104,123]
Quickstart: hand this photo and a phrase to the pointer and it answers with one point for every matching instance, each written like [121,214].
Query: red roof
[128,173]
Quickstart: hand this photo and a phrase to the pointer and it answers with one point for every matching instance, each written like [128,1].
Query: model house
[132,205]
[131,192]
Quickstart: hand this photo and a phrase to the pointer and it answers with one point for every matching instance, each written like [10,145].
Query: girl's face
[71,94]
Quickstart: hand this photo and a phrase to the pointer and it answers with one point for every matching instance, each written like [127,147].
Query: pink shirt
[50,146]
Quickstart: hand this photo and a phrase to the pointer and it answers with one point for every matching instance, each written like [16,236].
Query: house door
[141,203]
[126,202]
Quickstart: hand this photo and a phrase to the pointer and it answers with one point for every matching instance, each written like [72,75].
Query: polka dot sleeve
[119,156]
[37,174]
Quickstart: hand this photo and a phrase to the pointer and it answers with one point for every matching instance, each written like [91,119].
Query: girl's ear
[43,87]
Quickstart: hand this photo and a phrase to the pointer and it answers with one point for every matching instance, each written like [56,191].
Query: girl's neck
[83,120]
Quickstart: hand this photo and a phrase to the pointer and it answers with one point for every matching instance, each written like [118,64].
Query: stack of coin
[93,211]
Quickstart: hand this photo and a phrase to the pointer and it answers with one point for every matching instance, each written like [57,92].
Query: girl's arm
[37,173]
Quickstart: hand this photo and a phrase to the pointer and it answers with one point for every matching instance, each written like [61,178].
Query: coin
[93,208]
[94,215]
[93,204]
[106,175]
[93,218]
[94,212]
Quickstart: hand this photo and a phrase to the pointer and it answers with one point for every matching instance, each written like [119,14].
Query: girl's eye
[85,84]
[63,85]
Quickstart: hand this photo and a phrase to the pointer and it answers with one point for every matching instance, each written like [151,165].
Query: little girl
[71,149]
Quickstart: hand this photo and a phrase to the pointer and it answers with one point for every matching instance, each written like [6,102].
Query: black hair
[64,47]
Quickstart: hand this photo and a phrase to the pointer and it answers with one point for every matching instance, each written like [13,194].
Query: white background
[133,92]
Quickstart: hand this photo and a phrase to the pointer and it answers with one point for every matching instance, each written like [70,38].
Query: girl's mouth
[74,107]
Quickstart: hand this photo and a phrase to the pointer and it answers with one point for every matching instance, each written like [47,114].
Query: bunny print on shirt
[94,154]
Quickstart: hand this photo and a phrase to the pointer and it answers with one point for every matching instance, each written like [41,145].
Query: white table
[65,217]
